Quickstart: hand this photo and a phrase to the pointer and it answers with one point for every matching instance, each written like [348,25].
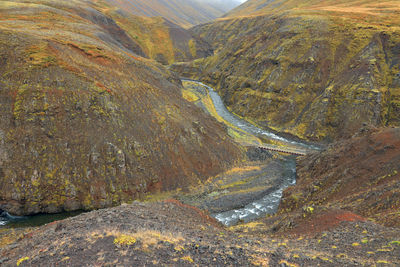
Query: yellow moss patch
[395,243]
[192,47]
[189,96]
[150,237]
[258,261]
[288,263]
[243,169]
[126,240]
[21,260]
[187,258]
[39,55]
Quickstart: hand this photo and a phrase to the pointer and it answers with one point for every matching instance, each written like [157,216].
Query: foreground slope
[185,13]
[173,234]
[317,69]
[85,121]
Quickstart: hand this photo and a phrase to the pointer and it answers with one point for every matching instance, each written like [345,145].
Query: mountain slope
[361,175]
[84,117]
[185,13]
[385,8]
[159,38]
[316,69]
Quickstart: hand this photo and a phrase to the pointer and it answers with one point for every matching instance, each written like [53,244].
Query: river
[269,203]
[7,220]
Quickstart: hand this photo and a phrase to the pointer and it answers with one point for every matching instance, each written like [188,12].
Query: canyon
[207,133]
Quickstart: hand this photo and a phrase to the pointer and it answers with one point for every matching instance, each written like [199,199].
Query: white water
[266,205]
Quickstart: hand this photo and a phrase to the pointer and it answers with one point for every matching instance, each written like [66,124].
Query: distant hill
[158,37]
[343,7]
[185,13]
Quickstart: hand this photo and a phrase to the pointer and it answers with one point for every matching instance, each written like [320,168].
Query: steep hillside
[185,13]
[85,121]
[316,69]
[353,180]
[352,8]
[361,175]
[159,38]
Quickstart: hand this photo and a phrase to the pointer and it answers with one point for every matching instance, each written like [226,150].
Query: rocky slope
[317,69]
[85,117]
[185,13]
[361,175]
[174,234]
[353,180]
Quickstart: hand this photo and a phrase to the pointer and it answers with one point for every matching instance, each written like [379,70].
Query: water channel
[269,203]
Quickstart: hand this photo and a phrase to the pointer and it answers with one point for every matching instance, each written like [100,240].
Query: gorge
[199,133]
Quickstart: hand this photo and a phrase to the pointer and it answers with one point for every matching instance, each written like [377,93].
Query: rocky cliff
[86,122]
[317,69]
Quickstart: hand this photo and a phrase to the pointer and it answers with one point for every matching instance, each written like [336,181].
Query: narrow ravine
[269,203]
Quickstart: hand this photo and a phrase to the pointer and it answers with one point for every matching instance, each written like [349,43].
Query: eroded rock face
[86,123]
[317,75]
[361,175]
